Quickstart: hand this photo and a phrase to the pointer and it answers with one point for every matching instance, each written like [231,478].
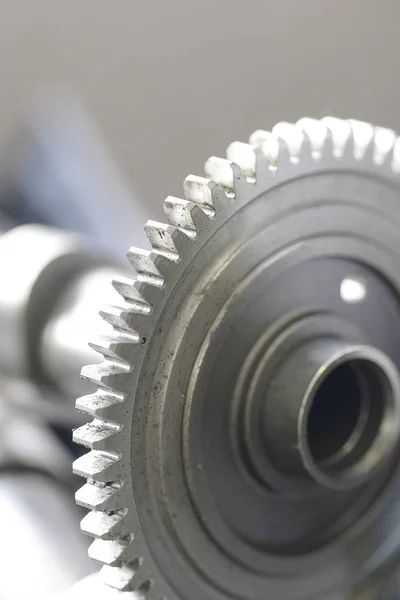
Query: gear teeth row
[354,137]
[205,199]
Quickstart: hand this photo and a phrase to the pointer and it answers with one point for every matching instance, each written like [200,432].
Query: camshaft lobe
[53,286]
[74,321]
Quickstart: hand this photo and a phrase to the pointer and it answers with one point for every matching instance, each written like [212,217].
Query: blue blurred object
[58,171]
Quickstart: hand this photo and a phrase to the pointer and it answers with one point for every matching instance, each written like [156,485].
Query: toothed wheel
[245,432]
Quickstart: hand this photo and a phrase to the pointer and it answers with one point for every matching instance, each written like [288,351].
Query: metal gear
[213,472]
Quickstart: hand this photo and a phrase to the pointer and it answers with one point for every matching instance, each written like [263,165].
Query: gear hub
[245,433]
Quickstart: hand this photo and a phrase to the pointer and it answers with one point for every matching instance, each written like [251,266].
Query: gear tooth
[129,291]
[244,156]
[106,373]
[383,145]
[307,146]
[104,526]
[259,137]
[340,135]
[200,191]
[268,144]
[328,149]
[112,552]
[143,262]
[125,579]
[363,137]
[164,264]
[284,155]
[349,149]
[121,318]
[368,152]
[220,170]
[102,498]
[117,346]
[97,466]
[166,239]
[179,214]
[102,405]
[263,168]
[120,578]
[199,217]
[316,132]
[292,136]
[96,435]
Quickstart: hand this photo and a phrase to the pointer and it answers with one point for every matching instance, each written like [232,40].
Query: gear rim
[116,367]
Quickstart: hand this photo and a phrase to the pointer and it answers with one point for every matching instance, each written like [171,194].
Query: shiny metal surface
[51,282]
[35,262]
[73,322]
[332,412]
[132,443]
[266,238]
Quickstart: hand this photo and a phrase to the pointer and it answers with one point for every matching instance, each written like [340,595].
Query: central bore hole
[335,412]
[346,413]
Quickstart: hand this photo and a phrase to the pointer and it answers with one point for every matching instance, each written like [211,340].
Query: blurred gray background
[172,82]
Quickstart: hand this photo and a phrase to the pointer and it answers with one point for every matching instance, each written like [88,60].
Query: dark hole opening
[335,413]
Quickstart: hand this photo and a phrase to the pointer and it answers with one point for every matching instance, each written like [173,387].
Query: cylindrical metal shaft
[52,287]
[64,347]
